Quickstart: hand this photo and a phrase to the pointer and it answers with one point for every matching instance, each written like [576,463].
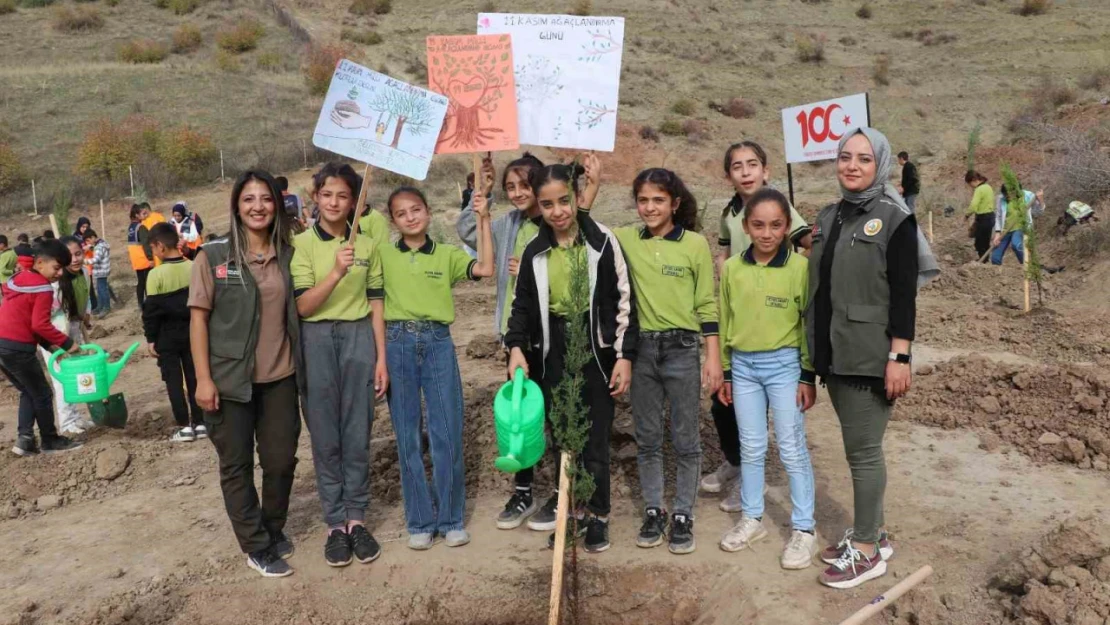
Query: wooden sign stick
[560,540]
[360,207]
[882,601]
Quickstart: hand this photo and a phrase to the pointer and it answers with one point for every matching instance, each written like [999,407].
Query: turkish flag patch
[221,272]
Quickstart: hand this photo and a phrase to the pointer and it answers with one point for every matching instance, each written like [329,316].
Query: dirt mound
[1063,580]
[1046,412]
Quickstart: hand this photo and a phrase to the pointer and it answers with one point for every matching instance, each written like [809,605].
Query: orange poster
[475,72]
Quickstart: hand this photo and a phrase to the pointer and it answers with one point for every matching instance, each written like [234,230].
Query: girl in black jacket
[543,308]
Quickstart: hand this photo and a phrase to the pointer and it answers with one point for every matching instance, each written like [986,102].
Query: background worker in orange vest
[189,229]
[138,245]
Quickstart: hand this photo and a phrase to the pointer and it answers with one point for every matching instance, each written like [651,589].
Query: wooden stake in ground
[54,227]
[131,174]
[560,539]
[103,226]
[360,207]
[1025,270]
[882,601]
[34,197]
[931,227]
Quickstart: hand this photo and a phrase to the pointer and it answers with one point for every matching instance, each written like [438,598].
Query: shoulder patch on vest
[873,227]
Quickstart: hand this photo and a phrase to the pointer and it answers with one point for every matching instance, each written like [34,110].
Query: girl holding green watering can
[244,335]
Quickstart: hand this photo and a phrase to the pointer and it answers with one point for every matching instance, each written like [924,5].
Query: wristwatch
[899,358]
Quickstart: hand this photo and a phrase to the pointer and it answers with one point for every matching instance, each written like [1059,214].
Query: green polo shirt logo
[674,271]
[776,302]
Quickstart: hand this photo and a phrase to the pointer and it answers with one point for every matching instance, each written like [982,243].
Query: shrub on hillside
[12,174]
[107,150]
[1034,7]
[671,127]
[1097,80]
[186,39]
[864,12]
[696,130]
[370,7]
[684,107]
[142,51]
[227,62]
[364,37]
[270,61]
[647,133]
[182,7]
[809,47]
[736,108]
[881,71]
[418,69]
[241,37]
[35,4]
[77,19]
[319,65]
[7,6]
[187,153]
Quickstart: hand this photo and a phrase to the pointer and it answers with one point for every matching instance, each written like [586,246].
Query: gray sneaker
[715,481]
[520,507]
[732,502]
[544,519]
[456,538]
[422,541]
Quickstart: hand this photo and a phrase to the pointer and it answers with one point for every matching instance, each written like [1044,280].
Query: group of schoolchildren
[338,319]
[992,225]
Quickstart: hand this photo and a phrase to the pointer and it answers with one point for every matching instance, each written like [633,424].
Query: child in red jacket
[24,325]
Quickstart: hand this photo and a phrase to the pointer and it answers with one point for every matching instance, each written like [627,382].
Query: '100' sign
[811,131]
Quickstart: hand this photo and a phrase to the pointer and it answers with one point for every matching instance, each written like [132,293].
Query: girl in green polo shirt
[419,310]
[338,286]
[672,276]
[764,291]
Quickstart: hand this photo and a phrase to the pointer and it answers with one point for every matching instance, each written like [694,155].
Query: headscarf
[180,207]
[927,267]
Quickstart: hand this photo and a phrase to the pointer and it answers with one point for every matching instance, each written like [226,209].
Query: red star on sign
[847,120]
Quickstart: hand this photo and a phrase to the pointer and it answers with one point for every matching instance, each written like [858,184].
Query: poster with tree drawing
[379,120]
[475,72]
[567,71]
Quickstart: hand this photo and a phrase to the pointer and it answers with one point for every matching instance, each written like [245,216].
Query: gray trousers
[863,415]
[668,367]
[338,409]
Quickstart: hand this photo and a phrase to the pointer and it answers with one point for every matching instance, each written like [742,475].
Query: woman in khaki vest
[863,275]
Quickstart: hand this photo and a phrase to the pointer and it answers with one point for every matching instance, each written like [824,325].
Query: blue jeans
[1013,238]
[103,296]
[421,358]
[759,379]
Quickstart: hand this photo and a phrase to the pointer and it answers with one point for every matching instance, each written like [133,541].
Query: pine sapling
[1016,202]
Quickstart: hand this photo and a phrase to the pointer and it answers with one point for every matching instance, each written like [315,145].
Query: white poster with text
[812,131]
[567,72]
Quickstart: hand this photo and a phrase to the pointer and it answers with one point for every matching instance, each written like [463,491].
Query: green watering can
[518,413]
[86,379]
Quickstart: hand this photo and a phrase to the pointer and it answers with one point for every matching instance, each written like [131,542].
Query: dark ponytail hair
[760,153]
[686,215]
[405,190]
[768,194]
[973,175]
[65,284]
[567,174]
[523,166]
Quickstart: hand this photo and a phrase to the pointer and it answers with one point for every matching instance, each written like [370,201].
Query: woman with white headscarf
[867,261]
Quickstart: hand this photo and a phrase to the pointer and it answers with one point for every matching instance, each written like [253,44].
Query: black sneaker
[282,546]
[25,446]
[365,547]
[544,519]
[654,528]
[597,535]
[57,443]
[579,534]
[337,551]
[520,506]
[682,534]
[268,563]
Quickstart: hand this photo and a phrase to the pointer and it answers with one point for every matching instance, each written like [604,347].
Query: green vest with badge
[859,290]
[233,322]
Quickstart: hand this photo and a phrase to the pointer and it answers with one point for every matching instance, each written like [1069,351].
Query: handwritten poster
[567,76]
[379,120]
[475,72]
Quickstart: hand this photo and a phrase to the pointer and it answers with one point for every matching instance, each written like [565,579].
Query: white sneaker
[715,481]
[422,541]
[746,532]
[201,431]
[456,538]
[73,430]
[799,551]
[184,435]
